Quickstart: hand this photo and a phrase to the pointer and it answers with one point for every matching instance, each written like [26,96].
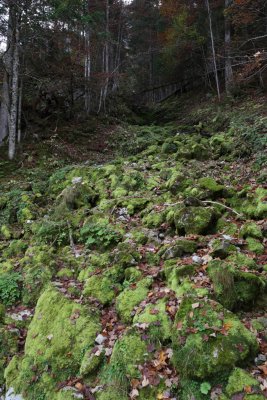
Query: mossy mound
[60,330]
[209,340]
[240,382]
[197,220]
[233,287]
[156,316]
[130,298]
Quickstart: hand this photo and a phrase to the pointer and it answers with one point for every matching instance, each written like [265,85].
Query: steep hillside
[142,278]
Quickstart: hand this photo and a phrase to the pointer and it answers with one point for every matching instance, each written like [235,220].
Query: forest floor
[134,265]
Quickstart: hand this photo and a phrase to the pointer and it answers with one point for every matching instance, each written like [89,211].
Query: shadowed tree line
[71,58]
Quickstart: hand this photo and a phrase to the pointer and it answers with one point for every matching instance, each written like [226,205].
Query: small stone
[260,359]
[227,237]
[197,260]
[100,339]
[77,179]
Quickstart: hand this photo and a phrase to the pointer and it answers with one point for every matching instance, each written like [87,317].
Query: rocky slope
[144,278]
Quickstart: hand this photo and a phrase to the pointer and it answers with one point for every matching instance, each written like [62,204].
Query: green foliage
[101,234]
[51,232]
[250,129]
[10,288]
[205,387]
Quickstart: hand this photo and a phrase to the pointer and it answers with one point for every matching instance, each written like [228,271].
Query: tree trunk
[228,61]
[4,113]
[104,89]
[213,51]
[13,119]
[5,100]
[20,111]
[87,72]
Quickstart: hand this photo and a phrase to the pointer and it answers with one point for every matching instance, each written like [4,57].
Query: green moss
[196,220]
[222,248]
[65,273]
[169,147]
[78,195]
[113,391]
[139,236]
[91,362]
[234,287]
[211,185]
[5,231]
[58,335]
[129,352]
[198,358]
[241,260]
[154,219]
[16,248]
[239,380]
[179,270]
[155,315]
[101,288]
[38,269]
[132,274]
[180,248]
[130,298]
[251,229]
[255,246]
[226,227]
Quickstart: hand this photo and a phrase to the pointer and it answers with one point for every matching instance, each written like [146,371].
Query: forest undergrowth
[133,261]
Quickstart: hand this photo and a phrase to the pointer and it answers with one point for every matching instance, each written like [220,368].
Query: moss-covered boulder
[77,195]
[214,189]
[131,297]
[255,245]
[180,248]
[129,352]
[101,288]
[209,340]
[196,220]
[251,229]
[39,266]
[58,335]
[154,219]
[233,287]
[238,383]
[241,260]
[160,324]
[175,272]
[222,248]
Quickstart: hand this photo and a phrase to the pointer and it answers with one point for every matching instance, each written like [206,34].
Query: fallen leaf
[145,382]
[263,368]
[134,393]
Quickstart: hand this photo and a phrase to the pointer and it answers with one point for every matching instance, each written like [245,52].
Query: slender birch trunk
[20,110]
[213,51]
[5,98]
[87,72]
[228,62]
[105,62]
[13,119]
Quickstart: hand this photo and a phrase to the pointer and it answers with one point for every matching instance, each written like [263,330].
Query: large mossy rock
[129,352]
[160,324]
[130,298]
[233,287]
[209,340]
[238,383]
[196,220]
[58,335]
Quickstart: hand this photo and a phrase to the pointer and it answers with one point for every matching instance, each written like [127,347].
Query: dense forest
[69,58]
[133,199]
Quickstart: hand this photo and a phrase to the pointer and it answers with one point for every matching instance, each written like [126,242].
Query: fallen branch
[222,205]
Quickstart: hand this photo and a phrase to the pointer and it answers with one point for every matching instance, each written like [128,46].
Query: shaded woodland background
[63,60]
